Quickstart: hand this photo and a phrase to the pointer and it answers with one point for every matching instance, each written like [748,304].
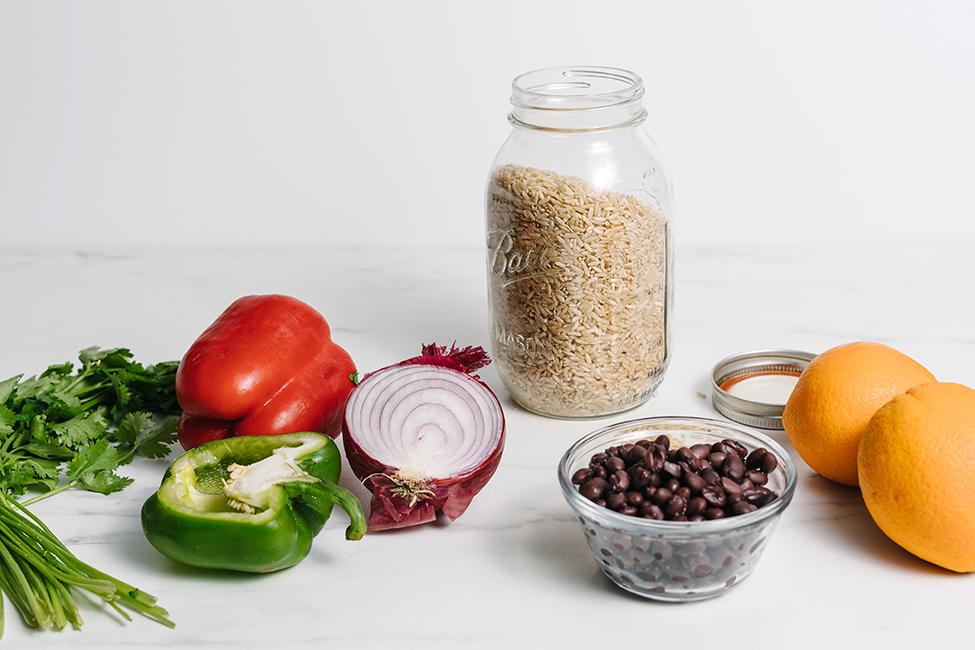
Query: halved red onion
[424,436]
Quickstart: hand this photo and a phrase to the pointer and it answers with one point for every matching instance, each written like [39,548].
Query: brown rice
[579,293]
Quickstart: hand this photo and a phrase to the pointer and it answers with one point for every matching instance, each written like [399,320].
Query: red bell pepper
[267,365]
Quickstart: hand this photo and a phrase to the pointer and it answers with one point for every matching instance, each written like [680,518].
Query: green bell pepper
[249,503]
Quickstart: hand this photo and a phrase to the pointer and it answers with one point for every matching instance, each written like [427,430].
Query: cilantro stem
[39,573]
[80,378]
[50,493]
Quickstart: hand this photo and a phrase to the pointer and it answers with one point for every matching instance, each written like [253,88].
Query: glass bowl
[676,560]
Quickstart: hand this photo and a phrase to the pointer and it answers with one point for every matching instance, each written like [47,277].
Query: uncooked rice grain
[578,293]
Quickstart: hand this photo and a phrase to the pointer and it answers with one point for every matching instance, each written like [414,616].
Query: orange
[917,473]
[835,397]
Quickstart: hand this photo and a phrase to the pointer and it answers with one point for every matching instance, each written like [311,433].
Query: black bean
[759,496]
[717,458]
[593,488]
[661,495]
[684,492]
[663,441]
[616,500]
[675,506]
[714,495]
[620,481]
[694,482]
[768,462]
[636,455]
[651,511]
[696,506]
[720,448]
[753,459]
[672,468]
[672,484]
[655,458]
[714,513]
[685,454]
[582,476]
[701,570]
[600,471]
[634,498]
[751,495]
[733,468]
[614,464]
[756,477]
[687,467]
[701,450]
[737,447]
[743,507]
[710,476]
[729,485]
[639,477]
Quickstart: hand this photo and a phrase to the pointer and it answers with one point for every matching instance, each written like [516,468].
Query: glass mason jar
[579,213]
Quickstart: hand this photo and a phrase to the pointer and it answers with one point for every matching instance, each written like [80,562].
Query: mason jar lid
[753,387]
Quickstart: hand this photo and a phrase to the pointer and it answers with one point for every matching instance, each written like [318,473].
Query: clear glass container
[677,560]
[579,220]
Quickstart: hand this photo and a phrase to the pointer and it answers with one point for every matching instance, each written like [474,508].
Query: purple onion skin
[451,496]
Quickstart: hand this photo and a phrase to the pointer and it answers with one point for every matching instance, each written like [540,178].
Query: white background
[823,128]
[238,124]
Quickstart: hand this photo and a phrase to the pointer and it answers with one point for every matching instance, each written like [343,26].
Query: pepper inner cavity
[249,486]
[242,484]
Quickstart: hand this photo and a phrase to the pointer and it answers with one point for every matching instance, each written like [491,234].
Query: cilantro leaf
[18,472]
[80,429]
[94,468]
[47,382]
[98,456]
[131,427]
[157,442]
[90,355]
[138,432]
[38,427]
[43,470]
[7,387]
[8,419]
[47,450]
[104,482]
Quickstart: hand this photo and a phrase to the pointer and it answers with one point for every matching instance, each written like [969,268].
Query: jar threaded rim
[577,98]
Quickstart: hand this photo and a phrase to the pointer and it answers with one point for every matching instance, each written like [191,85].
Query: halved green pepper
[249,503]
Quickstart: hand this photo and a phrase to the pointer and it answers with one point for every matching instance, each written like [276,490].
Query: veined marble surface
[515,571]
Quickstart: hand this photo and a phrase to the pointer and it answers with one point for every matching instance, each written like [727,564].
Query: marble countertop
[515,571]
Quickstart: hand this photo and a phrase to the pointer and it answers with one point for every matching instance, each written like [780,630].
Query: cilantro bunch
[68,428]
[84,424]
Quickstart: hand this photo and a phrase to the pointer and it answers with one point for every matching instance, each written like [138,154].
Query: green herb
[68,429]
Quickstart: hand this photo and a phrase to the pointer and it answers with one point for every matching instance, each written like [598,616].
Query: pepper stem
[339,495]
